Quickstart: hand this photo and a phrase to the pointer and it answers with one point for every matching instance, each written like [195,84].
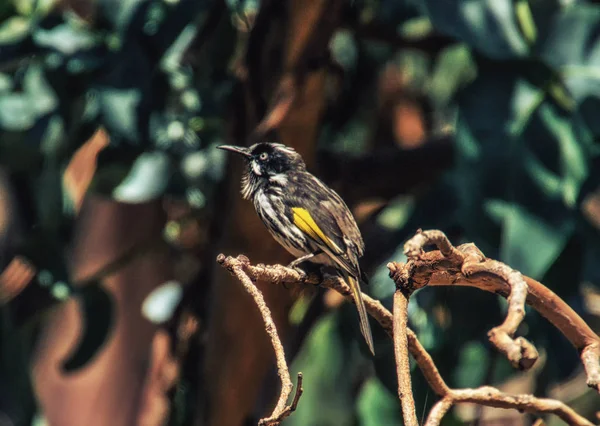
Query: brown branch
[81,169]
[280,30]
[14,278]
[280,105]
[439,410]
[467,266]
[237,266]
[487,395]
[306,53]
[490,396]
[520,352]
[402,362]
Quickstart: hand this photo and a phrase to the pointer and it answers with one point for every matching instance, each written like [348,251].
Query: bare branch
[402,362]
[438,411]
[467,266]
[280,105]
[590,357]
[414,248]
[520,352]
[492,397]
[488,396]
[237,266]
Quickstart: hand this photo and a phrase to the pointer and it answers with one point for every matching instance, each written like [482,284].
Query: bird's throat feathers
[253,182]
[250,184]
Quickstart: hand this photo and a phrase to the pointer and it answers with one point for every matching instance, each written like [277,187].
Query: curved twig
[492,397]
[520,352]
[237,267]
[465,265]
[430,269]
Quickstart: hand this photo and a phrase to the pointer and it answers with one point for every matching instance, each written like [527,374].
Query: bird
[308,218]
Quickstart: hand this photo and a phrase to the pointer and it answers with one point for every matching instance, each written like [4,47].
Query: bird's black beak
[237,149]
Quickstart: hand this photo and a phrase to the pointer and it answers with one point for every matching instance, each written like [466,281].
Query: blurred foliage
[518,87]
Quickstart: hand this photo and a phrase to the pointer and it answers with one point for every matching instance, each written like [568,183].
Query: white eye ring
[263,156]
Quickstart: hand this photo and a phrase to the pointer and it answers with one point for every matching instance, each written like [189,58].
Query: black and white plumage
[304,215]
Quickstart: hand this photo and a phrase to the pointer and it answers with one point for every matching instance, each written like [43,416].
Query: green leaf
[120,13]
[525,20]
[472,366]
[159,306]
[6,83]
[173,55]
[517,148]
[21,110]
[147,179]
[529,243]
[454,68]
[31,7]
[14,30]
[396,213]
[325,380]
[486,145]
[66,38]
[119,110]
[574,161]
[525,101]
[377,406]
[573,49]
[490,26]
[343,49]
[16,112]
[549,182]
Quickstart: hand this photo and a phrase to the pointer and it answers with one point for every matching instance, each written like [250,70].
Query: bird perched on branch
[305,216]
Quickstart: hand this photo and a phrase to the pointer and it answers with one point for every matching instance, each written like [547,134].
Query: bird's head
[267,163]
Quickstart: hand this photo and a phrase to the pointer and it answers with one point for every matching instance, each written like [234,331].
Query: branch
[237,267]
[520,352]
[402,362]
[278,274]
[307,52]
[467,266]
[487,395]
[15,277]
[492,397]
[280,105]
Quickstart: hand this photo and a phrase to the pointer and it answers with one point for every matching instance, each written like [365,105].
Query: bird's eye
[263,156]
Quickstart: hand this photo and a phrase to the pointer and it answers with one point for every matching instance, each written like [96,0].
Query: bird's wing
[322,215]
[326,220]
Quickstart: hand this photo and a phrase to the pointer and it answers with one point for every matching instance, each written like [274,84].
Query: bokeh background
[476,117]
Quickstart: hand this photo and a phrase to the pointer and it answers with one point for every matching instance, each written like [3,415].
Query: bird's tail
[365,328]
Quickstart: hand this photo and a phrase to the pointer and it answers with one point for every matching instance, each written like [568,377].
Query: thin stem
[402,362]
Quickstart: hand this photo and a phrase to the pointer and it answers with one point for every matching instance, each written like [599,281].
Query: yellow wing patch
[304,221]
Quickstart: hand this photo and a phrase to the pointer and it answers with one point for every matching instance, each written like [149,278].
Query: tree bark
[238,353]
